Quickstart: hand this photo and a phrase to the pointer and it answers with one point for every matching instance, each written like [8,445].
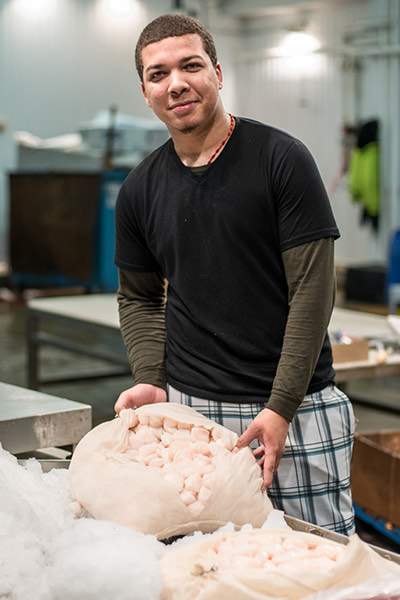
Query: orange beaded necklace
[224,141]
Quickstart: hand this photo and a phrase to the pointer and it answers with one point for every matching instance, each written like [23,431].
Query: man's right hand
[137,395]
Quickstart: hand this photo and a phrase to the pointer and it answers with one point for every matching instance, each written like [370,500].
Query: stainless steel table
[90,313]
[30,420]
[364,325]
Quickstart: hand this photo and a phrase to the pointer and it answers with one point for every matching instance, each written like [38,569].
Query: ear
[218,71]
[146,98]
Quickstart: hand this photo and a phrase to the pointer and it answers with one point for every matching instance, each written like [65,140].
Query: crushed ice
[47,554]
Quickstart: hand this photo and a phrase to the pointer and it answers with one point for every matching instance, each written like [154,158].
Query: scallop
[147,450]
[166,439]
[158,432]
[177,445]
[224,437]
[184,468]
[202,448]
[170,425]
[204,494]
[208,479]
[184,454]
[133,420]
[196,507]
[156,421]
[182,434]
[175,479]
[187,497]
[193,482]
[199,434]
[156,462]
[146,435]
[135,442]
[206,469]
[166,454]
[214,448]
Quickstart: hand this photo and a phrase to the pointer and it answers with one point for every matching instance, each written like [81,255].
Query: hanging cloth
[364,181]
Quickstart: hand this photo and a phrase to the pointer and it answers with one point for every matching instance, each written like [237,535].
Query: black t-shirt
[218,239]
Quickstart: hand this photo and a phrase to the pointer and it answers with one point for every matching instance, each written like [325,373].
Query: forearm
[141,305]
[310,274]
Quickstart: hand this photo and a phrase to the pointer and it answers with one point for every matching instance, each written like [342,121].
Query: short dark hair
[173,26]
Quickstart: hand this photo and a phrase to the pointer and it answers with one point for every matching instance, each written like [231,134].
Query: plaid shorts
[313,479]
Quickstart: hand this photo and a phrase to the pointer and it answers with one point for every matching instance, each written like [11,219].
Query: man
[233,214]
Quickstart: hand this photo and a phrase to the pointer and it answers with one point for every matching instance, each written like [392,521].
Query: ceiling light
[34,9]
[118,9]
[298,43]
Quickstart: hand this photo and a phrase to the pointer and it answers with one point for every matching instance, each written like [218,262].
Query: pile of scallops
[183,453]
[269,552]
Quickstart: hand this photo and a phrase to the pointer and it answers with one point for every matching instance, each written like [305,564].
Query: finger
[124,401]
[247,437]
[269,468]
[278,460]
[260,458]
[118,406]
[259,451]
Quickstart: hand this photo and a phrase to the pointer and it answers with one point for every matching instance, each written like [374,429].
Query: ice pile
[167,470]
[95,560]
[46,554]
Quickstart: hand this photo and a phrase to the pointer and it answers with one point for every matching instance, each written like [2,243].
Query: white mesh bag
[165,469]
[267,565]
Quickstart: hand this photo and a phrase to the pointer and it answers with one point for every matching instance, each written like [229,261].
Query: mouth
[183,107]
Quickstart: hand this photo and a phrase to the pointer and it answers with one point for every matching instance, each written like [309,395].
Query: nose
[177,83]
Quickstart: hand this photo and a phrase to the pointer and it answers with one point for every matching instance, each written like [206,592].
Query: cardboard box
[376,474]
[356,351]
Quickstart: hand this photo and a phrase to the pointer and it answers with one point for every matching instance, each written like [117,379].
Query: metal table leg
[32,344]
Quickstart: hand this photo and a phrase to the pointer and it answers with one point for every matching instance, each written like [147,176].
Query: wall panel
[310,98]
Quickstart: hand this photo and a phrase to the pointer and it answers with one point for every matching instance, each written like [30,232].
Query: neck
[194,147]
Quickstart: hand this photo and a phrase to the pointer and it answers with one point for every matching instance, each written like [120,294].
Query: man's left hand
[271,430]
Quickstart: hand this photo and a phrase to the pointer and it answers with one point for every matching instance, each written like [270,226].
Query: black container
[366,283]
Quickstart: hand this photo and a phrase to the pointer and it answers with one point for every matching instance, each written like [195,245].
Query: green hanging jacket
[364,180]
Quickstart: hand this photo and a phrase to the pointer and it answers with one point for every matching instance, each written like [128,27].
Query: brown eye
[156,76]
[193,66]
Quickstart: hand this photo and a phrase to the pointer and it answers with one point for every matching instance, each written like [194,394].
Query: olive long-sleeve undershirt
[309,270]
[141,307]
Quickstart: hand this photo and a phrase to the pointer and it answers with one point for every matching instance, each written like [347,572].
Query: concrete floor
[102,394]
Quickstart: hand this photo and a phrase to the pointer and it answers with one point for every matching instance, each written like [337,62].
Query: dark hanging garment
[367,134]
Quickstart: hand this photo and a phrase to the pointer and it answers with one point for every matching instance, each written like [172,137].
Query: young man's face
[180,83]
